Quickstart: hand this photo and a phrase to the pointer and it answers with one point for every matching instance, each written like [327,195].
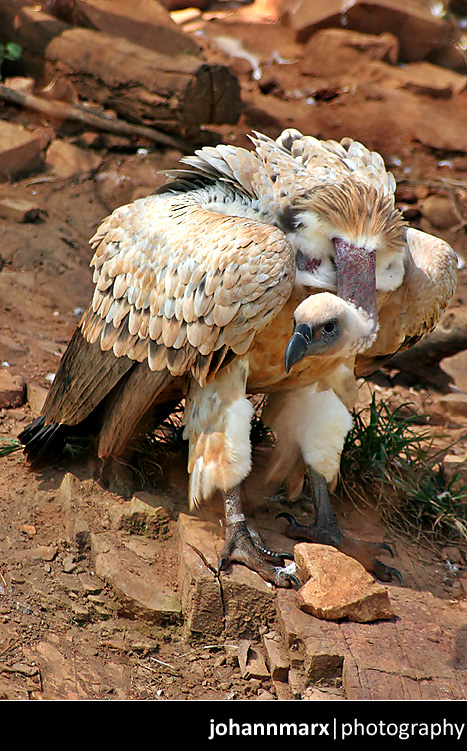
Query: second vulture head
[326,325]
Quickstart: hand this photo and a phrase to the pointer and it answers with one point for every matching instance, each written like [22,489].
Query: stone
[12,389]
[22,84]
[68,564]
[67,160]
[439,212]
[453,466]
[455,404]
[69,487]
[20,151]
[20,667]
[237,604]
[332,52]
[139,591]
[46,552]
[28,529]
[277,658]
[36,396]
[432,80]
[80,613]
[419,32]
[20,210]
[251,661]
[41,552]
[143,22]
[337,586]
[91,585]
[146,515]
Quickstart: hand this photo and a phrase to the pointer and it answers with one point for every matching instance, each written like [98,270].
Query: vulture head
[325,324]
[349,237]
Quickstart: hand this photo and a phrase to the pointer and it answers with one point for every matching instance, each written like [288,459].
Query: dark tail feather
[43,444]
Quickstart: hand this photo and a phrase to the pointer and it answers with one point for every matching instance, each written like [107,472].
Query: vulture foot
[240,547]
[362,551]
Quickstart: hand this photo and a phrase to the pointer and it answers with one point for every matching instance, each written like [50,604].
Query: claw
[293,579]
[387,548]
[242,547]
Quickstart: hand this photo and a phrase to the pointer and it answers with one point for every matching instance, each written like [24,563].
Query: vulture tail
[43,444]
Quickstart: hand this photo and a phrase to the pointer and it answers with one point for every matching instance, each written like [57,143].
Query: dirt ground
[48,648]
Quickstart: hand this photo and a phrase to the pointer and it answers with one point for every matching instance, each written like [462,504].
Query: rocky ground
[107,584]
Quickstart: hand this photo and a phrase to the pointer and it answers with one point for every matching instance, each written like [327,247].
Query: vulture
[284,269]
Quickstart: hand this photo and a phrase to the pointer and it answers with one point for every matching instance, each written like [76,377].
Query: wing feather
[415,308]
[177,283]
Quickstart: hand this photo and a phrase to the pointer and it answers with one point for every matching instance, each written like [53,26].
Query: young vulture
[196,289]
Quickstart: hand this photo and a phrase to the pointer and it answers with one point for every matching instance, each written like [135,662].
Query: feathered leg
[217,418]
[314,423]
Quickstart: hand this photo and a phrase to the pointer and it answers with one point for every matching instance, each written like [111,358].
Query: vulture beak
[356,276]
[297,346]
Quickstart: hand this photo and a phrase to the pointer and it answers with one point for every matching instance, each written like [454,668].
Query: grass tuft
[9,446]
[388,457]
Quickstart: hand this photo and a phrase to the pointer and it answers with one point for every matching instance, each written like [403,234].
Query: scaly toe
[241,548]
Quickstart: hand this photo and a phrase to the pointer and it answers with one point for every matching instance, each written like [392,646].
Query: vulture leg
[326,530]
[241,548]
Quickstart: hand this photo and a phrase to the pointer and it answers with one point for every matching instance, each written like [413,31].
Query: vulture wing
[179,290]
[293,164]
[414,309]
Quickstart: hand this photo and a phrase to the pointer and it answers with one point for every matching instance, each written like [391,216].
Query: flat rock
[389,660]
[277,658]
[67,160]
[12,389]
[418,31]
[336,51]
[20,210]
[143,22]
[21,151]
[140,592]
[237,604]
[337,586]
[251,661]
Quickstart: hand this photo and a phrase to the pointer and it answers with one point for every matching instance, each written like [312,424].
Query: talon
[223,564]
[387,548]
[287,516]
[386,573]
[293,579]
[241,547]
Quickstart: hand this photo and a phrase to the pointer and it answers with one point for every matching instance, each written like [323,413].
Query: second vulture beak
[297,346]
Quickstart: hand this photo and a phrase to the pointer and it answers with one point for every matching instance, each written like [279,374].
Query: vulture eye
[329,327]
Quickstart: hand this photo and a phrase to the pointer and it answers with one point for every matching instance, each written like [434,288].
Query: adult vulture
[262,271]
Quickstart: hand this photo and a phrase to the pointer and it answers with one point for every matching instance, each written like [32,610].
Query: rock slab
[337,586]
[140,594]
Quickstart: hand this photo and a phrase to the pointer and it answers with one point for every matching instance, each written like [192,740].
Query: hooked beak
[297,346]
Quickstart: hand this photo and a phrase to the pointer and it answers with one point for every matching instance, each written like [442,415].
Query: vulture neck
[356,277]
